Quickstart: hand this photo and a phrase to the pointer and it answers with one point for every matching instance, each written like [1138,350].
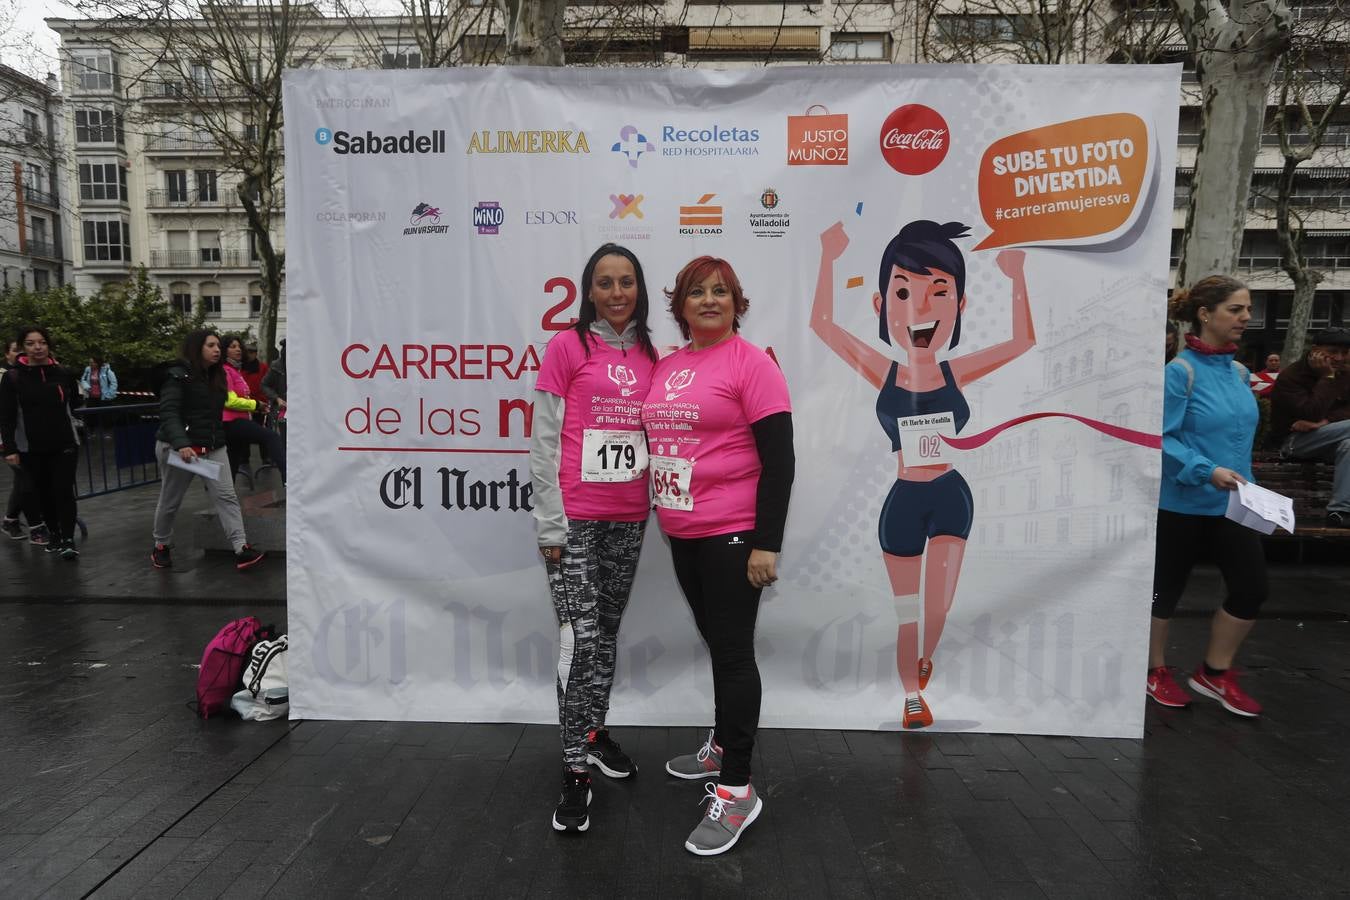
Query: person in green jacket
[190,405]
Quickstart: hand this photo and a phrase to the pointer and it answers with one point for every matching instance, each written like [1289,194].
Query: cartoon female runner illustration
[929,510]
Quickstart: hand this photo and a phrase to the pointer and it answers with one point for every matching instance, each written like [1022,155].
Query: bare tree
[215,69]
[1237,45]
[1314,82]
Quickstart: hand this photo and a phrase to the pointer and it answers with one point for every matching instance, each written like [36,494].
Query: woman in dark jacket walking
[37,425]
[190,405]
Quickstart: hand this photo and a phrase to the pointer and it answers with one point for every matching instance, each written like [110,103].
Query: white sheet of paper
[1260,509]
[206,468]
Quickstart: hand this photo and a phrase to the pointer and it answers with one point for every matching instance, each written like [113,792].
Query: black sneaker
[1338,519]
[38,536]
[247,557]
[13,530]
[160,557]
[54,544]
[68,550]
[571,814]
[605,753]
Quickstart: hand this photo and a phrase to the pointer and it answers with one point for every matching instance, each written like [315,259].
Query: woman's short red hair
[696,271]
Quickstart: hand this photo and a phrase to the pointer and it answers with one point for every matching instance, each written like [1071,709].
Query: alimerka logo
[914,139]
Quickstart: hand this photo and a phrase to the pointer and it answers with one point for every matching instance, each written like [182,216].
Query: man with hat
[1310,413]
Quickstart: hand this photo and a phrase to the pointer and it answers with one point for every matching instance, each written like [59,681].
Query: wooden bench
[1308,484]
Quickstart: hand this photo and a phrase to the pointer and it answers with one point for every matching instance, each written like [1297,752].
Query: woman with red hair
[719,427]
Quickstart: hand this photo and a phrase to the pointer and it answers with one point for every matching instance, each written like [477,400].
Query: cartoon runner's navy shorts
[915,511]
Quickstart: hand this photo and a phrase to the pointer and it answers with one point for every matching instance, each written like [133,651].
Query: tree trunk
[1236,45]
[534,30]
[270,270]
[1234,86]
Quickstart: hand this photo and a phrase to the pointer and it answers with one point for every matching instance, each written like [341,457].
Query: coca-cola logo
[914,139]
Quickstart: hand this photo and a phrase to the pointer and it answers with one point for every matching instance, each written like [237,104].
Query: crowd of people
[216,402]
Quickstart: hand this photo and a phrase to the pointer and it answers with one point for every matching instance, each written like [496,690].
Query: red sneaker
[1164,690]
[1224,688]
[917,714]
[925,671]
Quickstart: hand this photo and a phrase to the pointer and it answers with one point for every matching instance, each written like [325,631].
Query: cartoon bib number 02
[613,455]
[921,436]
[671,482]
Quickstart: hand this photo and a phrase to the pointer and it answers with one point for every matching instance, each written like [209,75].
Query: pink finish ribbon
[1125,434]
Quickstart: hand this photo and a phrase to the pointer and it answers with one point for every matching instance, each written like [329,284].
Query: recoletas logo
[632,144]
[372,144]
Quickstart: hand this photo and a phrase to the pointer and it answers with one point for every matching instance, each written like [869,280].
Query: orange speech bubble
[1064,182]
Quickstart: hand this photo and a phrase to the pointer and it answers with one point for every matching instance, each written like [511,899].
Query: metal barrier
[118,448]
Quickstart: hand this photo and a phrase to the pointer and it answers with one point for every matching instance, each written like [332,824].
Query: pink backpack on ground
[223,663]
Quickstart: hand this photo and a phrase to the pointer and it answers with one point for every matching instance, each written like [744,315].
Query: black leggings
[241,433]
[1234,548]
[712,574]
[23,499]
[53,477]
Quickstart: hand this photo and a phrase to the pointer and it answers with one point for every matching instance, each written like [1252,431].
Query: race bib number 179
[613,455]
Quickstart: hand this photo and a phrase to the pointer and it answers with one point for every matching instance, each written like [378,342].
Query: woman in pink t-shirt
[588,464]
[719,428]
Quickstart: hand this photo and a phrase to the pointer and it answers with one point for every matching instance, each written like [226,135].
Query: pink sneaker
[1164,690]
[1224,688]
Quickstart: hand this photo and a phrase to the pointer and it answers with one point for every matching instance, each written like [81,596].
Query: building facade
[33,250]
[150,186]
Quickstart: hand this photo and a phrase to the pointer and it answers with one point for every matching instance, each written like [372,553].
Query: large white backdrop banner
[437,223]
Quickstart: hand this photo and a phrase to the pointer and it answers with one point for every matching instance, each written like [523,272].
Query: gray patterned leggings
[590,588]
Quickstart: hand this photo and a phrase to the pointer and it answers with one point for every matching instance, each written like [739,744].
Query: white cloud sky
[35,56]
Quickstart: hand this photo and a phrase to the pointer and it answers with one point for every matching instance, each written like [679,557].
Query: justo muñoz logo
[915,139]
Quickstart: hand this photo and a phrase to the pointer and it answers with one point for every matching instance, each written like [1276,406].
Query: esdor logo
[915,139]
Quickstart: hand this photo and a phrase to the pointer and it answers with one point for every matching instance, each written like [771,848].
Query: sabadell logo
[915,139]
[344,142]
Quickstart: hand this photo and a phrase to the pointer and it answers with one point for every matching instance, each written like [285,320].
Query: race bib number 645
[671,482]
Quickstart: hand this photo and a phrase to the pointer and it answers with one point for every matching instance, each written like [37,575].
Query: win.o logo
[323,136]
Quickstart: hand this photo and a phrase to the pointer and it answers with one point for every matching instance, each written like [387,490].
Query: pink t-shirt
[603,470]
[234,380]
[705,468]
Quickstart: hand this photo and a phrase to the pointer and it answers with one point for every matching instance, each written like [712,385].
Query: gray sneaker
[706,763]
[724,821]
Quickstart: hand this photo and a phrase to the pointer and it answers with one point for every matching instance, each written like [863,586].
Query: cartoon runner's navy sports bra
[894,402]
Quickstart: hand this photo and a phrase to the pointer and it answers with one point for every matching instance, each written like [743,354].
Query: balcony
[203,258]
[180,143]
[1252,264]
[43,249]
[226,199]
[39,197]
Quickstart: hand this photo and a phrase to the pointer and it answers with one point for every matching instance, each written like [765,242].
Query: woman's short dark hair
[588,312]
[192,358]
[1206,294]
[25,330]
[696,271]
[920,247]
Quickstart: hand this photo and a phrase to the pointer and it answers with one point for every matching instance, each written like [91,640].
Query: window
[254,299]
[986,28]
[208,244]
[33,179]
[180,298]
[41,279]
[106,240]
[1033,492]
[1117,482]
[98,126]
[1062,530]
[102,181]
[1087,363]
[211,298]
[400,58]
[850,47]
[1065,484]
[206,186]
[180,250]
[95,71]
[39,227]
[175,182]
[202,79]
[31,131]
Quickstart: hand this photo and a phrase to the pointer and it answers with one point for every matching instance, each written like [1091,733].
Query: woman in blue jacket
[1209,421]
[99,382]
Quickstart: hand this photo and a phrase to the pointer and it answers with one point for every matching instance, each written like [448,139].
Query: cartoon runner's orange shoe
[917,714]
[925,671]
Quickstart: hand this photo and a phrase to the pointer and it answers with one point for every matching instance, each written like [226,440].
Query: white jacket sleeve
[545,453]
